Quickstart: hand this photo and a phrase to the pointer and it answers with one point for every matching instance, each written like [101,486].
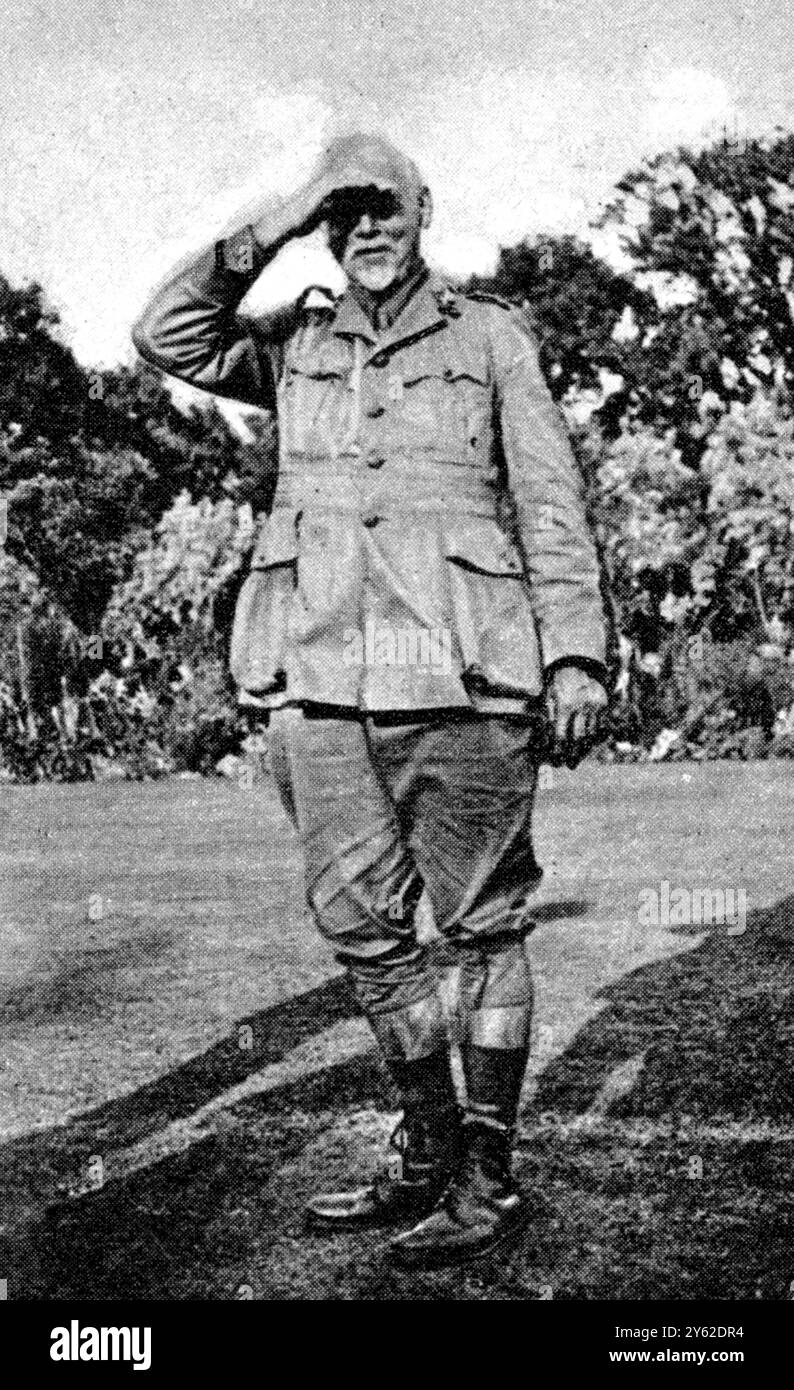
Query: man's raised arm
[191,328]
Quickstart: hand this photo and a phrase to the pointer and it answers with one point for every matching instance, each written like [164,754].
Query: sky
[132,131]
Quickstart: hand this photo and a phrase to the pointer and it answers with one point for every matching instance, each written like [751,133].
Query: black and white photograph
[397,663]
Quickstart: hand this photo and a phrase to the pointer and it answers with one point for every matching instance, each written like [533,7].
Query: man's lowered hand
[576,703]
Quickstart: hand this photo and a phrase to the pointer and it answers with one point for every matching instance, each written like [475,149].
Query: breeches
[385,808]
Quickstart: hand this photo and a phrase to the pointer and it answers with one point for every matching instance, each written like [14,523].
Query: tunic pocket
[318,412]
[491,609]
[446,403]
[257,658]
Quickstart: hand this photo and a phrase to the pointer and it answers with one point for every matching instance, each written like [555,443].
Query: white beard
[375,275]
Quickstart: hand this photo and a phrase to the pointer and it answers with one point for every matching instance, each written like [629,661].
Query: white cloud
[501,155]
[685,105]
[462,253]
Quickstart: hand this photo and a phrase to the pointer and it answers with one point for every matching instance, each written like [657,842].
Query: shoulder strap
[485,297]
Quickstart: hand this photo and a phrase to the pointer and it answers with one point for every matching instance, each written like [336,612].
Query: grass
[183,1064]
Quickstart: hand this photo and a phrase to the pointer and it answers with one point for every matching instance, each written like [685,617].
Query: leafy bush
[701,562]
[167,632]
[40,660]
[150,693]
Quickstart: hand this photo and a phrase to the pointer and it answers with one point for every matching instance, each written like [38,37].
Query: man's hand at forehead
[356,173]
[306,209]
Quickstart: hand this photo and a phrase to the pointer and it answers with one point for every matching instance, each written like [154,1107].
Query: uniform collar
[429,307]
[351,321]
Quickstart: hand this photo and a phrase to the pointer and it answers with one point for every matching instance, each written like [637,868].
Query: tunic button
[375,411]
[375,460]
[370,519]
[449,375]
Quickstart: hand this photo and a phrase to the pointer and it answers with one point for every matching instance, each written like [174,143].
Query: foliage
[150,693]
[701,565]
[89,461]
[167,629]
[712,234]
[40,656]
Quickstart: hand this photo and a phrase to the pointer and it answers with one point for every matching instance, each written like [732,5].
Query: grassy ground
[182,1064]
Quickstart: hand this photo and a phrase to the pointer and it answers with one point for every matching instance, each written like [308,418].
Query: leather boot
[480,1211]
[426,1148]
[482,1206]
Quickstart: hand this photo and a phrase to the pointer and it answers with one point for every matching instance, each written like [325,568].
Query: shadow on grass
[680,1189]
[711,1031]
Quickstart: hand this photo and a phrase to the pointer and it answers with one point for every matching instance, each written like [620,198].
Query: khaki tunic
[427,545]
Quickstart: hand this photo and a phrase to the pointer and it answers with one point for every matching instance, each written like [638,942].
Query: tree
[575,303]
[89,461]
[713,233]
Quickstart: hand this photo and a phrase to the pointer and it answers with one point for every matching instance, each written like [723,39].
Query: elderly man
[424,596]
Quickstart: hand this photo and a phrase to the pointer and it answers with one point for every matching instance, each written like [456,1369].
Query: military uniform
[426,492]
[402,458]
